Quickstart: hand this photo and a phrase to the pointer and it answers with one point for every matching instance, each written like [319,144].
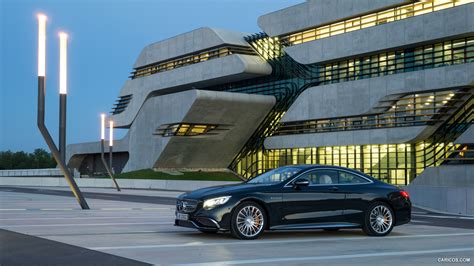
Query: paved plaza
[135,227]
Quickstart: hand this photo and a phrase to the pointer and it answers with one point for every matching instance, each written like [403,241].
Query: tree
[22,160]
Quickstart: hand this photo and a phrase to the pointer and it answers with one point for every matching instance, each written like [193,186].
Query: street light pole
[62,93]
[41,112]
[111,144]
[102,151]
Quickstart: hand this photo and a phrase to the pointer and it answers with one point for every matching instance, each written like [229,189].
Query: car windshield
[275,176]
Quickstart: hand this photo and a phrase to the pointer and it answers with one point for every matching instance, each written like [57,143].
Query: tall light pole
[41,110]
[102,151]
[111,144]
[62,93]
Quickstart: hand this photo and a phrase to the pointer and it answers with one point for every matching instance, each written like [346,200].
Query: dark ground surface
[21,249]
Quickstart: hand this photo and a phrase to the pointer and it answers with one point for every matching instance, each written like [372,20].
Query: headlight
[211,203]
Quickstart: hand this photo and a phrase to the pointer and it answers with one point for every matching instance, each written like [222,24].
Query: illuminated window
[189,59]
[184,129]
[423,57]
[370,20]
[408,110]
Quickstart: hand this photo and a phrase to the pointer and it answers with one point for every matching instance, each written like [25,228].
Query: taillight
[404,194]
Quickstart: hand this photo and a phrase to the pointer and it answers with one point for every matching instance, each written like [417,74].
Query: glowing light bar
[41,45]
[102,126]
[111,133]
[63,63]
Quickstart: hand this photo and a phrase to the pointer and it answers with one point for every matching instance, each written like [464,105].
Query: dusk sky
[105,38]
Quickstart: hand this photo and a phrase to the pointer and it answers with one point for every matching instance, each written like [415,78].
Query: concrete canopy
[239,114]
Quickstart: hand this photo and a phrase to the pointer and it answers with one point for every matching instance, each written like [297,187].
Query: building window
[428,56]
[393,163]
[121,104]
[408,110]
[370,20]
[188,129]
[190,59]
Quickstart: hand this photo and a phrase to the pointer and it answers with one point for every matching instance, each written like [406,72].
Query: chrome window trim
[338,184]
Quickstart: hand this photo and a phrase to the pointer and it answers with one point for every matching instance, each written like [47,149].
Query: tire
[379,219]
[252,228]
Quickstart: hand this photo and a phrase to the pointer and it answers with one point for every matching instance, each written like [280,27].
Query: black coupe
[296,198]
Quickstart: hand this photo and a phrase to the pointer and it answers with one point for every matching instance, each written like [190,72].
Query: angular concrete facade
[444,24]
[382,86]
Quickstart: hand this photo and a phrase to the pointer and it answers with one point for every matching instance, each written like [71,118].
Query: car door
[357,195]
[319,202]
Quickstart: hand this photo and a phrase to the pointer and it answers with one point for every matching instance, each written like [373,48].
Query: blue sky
[105,38]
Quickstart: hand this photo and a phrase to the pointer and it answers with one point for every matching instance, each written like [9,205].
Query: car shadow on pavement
[269,235]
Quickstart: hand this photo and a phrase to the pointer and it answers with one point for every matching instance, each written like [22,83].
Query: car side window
[321,177]
[348,178]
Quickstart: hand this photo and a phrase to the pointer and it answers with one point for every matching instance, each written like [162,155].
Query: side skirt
[314,226]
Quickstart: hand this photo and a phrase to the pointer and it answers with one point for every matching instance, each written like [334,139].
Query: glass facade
[394,163]
[439,54]
[190,59]
[391,163]
[370,20]
[408,110]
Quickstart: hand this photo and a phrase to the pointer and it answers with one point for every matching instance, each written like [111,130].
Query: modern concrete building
[383,86]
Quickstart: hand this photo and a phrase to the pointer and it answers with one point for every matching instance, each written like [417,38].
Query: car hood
[223,190]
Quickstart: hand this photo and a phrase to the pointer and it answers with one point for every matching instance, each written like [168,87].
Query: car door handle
[334,188]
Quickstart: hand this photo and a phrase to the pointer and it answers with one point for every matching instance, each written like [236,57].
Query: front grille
[186,206]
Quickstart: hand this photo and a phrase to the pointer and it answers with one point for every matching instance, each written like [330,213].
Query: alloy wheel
[381,219]
[250,221]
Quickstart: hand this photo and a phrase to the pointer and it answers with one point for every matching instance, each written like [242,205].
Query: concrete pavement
[144,232]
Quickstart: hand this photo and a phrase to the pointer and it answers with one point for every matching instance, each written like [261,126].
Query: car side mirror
[302,182]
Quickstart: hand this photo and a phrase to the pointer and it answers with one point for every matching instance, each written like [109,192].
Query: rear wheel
[379,219]
[248,221]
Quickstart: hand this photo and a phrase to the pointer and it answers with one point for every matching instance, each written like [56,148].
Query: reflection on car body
[295,198]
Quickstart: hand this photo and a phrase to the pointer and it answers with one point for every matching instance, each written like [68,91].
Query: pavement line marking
[77,209]
[445,217]
[80,218]
[116,209]
[419,221]
[419,212]
[333,257]
[260,242]
[95,224]
[57,209]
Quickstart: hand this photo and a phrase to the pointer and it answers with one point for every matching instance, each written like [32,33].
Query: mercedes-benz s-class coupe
[296,198]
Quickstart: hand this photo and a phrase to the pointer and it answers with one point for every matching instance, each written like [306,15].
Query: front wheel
[379,219]
[248,221]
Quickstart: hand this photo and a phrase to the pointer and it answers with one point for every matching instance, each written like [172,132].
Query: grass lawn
[150,174]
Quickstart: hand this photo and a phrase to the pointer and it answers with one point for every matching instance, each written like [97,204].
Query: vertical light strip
[102,126]
[63,63]
[111,133]
[41,45]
